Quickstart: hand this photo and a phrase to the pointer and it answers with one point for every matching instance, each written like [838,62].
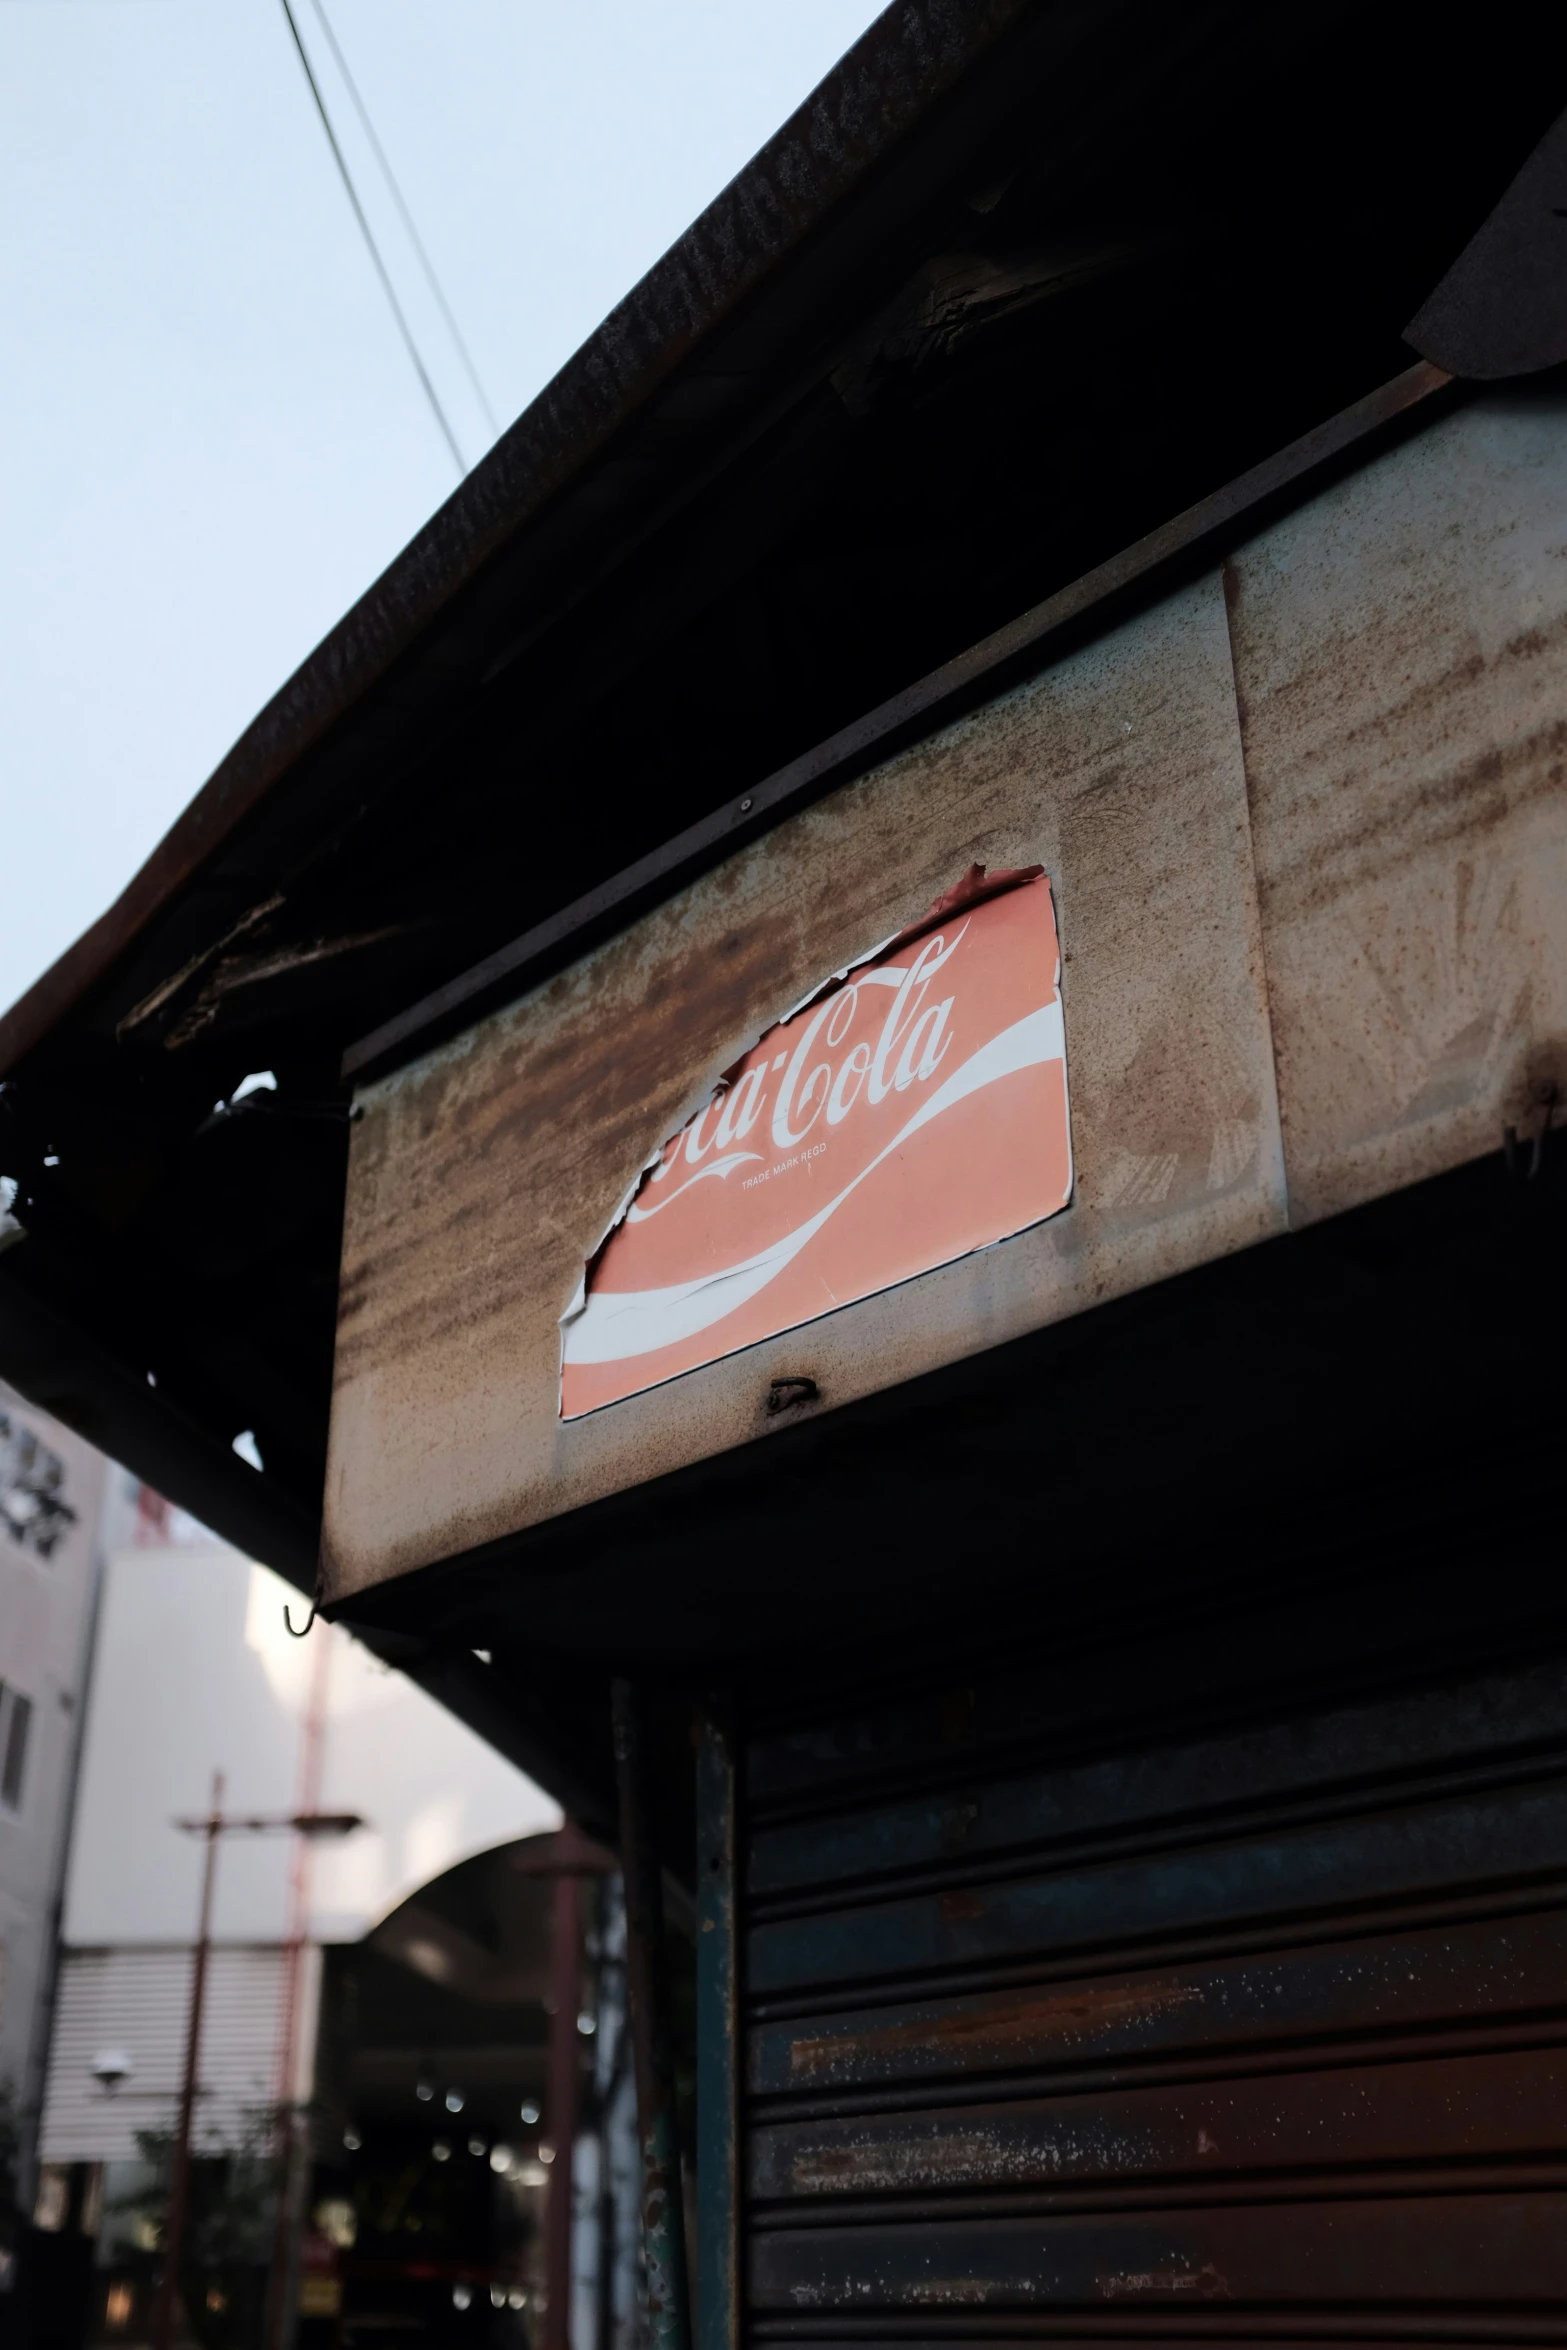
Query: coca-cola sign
[909,1112]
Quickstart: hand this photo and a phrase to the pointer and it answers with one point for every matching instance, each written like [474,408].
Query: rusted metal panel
[974,1727]
[1506,2105]
[1373,900]
[1306,2119]
[482,1178]
[1401,659]
[1353,1748]
[1493,1974]
[1323,1868]
[1378,2251]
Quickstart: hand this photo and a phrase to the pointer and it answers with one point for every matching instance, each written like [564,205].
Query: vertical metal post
[564,2096]
[291,2151]
[179,2176]
[717,2041]
[604,2307]
[663,2211]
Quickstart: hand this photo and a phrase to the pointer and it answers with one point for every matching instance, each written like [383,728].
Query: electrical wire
[414,238]
[374,250]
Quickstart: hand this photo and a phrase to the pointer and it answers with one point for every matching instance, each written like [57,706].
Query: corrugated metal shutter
[1244,2035]
[137,2000]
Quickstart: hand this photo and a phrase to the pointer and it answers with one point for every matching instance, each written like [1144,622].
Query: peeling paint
[1016,2025]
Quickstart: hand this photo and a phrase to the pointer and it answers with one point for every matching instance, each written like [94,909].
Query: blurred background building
[393,1986]
[54,1498]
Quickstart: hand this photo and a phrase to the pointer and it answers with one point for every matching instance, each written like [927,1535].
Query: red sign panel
[912,1111]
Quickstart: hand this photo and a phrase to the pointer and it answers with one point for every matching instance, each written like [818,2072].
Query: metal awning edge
[897,72]
[928,703]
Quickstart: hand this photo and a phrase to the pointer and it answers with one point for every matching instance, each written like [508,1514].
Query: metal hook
[1513,1158]
[288,1621]
[1510,1150]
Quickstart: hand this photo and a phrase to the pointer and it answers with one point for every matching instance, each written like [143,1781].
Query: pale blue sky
[211,439]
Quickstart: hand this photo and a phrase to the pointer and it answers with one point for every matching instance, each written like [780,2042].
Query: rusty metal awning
[1017,285]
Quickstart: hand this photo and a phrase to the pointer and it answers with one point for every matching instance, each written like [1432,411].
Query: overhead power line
[374,249]
[414,238]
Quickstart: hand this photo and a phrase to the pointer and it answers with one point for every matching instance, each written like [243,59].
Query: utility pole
[210,1826]
[179,2176]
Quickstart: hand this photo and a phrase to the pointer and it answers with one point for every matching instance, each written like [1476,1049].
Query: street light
[212,1825]
[275,1823]
[110,2067]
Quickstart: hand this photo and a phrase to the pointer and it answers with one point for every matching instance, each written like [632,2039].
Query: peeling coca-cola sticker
[913,1110]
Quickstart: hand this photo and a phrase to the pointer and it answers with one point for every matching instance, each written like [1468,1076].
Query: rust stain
[1452,782]
[965,2291]
[1207,2283]
[1400,653]
[994,2153]
[594,1076]
[1506,2107]
[1019,2027]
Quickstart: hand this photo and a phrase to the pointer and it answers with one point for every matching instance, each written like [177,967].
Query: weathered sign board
[912,1109]
[1304,825]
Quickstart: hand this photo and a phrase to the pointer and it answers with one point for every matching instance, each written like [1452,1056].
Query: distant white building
[52,1494]
[195,1673]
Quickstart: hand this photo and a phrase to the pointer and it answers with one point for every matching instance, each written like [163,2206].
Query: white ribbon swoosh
[725,1166]
[616,1324]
